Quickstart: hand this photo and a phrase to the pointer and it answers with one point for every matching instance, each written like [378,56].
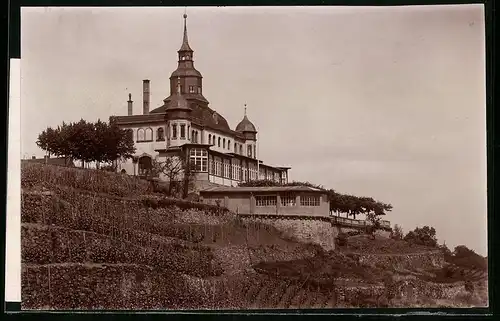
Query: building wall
[246,204]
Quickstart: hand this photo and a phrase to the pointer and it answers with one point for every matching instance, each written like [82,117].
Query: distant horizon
[385,102]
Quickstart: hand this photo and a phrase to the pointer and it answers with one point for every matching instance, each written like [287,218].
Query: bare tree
[176,169]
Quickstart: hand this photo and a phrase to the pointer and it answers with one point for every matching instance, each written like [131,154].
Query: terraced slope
[96,240]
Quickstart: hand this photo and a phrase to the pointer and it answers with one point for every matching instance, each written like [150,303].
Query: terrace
[349,222]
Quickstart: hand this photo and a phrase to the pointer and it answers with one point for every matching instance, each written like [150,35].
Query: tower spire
[185,44]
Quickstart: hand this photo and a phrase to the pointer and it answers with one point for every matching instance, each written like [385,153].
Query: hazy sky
[381,102]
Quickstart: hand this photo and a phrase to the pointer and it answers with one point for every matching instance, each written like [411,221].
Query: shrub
[422,236]
[341,239]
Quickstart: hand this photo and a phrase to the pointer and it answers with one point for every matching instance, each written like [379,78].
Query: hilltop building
[186,125]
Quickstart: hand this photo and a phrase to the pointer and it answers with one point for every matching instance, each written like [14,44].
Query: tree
[119,142]
[99,142]
[397,232]
[422,236]
[177,171]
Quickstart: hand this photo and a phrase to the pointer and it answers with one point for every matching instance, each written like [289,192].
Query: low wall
[402,261]
[304,230]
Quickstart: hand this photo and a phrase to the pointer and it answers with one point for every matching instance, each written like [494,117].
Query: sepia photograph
[253,158]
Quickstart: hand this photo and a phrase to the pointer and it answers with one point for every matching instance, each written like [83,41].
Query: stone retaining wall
[304,230]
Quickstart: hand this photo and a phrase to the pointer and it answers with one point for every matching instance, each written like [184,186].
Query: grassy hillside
[97,240]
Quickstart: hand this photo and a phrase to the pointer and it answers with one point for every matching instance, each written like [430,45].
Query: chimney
[129,104]
[145,105]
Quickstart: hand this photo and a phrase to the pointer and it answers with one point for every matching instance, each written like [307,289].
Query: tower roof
[185,43]
[178,101]
[245,125]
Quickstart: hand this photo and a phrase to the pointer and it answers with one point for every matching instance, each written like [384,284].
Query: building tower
[190,78]
[250,133]
[178,118]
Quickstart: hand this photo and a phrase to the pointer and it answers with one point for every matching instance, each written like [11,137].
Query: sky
[385,102]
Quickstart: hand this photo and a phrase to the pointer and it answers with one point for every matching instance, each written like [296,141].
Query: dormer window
[191,90]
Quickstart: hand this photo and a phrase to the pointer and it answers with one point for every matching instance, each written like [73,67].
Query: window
[210,138]
[265,200]
[199,90]
[219,142]
[309,200]
[189,128]
[160,136]
[224,143]
[174,131]
[288,200]
[235,148]
[249,148]
[198,159]
[183,131]
[255,151]
[241,149]
[149,134]
[140,135]
[130,133]
[212,167]
[229,144]
[218,167]
[191,90]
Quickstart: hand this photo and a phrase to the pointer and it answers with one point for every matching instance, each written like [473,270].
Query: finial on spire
[185,43]
[245,110]
[129,97]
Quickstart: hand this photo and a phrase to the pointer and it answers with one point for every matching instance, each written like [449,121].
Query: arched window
[210,138]
[213,140]
[224,143]
[140,135]
[160,135]
[229,144]
[149,134]
[255,151]
[219,142]
[249,151]
[193,137]
[241,149]
[235,148]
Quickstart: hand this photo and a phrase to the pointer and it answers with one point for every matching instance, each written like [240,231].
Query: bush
[341,239]
[422,236]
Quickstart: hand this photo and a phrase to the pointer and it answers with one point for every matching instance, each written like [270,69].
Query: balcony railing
[357,223]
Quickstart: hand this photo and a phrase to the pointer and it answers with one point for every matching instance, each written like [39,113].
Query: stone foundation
[304,230]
